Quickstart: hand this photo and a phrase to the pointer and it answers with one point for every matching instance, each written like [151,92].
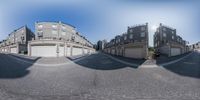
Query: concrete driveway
[99,77]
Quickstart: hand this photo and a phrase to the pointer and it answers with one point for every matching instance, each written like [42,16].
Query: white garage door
[61,51]
[6,50]
[85,51]
[175,51]
[43,51]
[68,51]
[76,51]
[13,50]
[133,52]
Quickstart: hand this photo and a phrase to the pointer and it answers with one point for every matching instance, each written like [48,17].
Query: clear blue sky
[103,19]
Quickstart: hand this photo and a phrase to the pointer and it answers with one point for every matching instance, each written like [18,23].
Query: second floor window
[54,32]
[40,26]
[172,37]
[63,33]
[131,36]
[142,34]
[164,34]
[54,26]
[130,30]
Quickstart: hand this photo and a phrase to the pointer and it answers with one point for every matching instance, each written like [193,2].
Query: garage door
[76,51]
[85,51]
[43,51]
[61,51]
[68,51]
[175,51]
[133,52]
[113,51]
[13,50]
[5,50]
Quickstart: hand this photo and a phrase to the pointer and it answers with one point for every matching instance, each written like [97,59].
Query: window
[40,26]
[54,32]
[164,34]
[63,33]
[142,28]
[142,34]
[63,27]
[131,36]
[130,30]
[172,32]
[125,37]
[164,29]
[54,26]
[172,37]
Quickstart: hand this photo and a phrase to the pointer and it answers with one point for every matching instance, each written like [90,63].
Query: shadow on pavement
[100,61]
[164,59]
[189,66]
[12,68]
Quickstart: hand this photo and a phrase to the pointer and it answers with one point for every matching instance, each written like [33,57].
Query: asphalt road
[98,77]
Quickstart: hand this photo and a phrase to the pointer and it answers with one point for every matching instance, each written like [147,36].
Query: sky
[104,19]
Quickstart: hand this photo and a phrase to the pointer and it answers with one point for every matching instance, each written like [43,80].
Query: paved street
[98,77]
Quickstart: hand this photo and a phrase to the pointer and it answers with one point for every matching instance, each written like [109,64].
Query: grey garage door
[133,52]
[175,51]
[43,51]
[13,50]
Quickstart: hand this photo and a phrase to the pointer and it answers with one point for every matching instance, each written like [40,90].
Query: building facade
[167,42]
[195,46]
[101,44]
[17,41]
[131,44]
[57,39]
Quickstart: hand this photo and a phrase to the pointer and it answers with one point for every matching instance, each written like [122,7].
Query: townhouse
[167,42]
[57,39]
[17,41]
[131,44]
[195,46]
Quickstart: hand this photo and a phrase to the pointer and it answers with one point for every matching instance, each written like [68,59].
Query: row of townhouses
[134,42]
[167,42]
[51,39]
[195,46]
[17,41]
